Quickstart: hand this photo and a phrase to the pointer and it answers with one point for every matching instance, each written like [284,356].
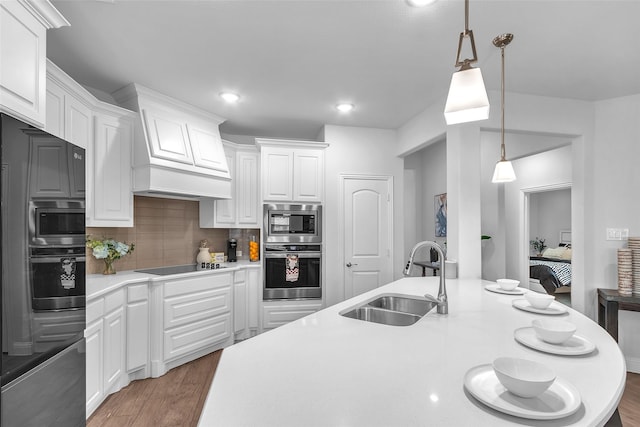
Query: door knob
[349,264]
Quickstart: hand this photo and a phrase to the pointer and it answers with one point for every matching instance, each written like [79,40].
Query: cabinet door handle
[349,264]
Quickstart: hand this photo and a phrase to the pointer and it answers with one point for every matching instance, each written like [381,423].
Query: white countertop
[100,284]
[328,370]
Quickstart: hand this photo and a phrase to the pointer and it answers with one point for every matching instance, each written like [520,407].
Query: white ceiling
[293,60]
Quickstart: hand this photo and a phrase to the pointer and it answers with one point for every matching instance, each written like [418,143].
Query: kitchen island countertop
[329,370]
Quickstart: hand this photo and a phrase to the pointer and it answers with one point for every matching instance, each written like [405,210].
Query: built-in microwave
[57,222]
[292,223]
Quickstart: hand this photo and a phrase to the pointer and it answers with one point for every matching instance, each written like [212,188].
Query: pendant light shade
[503,172]
[504,169]
[467,100]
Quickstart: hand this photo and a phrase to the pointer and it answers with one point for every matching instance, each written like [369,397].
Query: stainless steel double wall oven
[57,254]
[292,252]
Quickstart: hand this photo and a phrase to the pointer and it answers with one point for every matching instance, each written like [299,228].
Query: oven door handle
[299,255]
[43,260]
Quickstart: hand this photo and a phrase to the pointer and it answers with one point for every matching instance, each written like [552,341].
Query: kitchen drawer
[94,310]
[195,306]
[196,284]
[240,276]
[278,315]
[114,301]
[137,293]
[193,337]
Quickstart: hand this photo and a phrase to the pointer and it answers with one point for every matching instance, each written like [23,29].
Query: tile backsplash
[166,232]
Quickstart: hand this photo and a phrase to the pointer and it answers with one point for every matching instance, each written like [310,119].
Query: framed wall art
[440,205]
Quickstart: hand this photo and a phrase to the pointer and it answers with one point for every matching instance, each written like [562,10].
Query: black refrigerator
[42,264]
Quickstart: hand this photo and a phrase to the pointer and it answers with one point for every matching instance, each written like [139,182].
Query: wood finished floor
[176,399]
[173,400]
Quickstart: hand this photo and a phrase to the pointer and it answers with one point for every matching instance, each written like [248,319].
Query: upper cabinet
[177,147]
[69,108]
[109,159]
[23,66]
[292,171]
[242,210]
[106,133]
[56,169]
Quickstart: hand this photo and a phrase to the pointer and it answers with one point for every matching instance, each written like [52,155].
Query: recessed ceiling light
[230,97]
[345,108]
[420,3]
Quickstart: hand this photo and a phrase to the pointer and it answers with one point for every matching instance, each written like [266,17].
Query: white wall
[518,145]
[429,167]
[549,213]
[354,150]
[614,202]
[548,170]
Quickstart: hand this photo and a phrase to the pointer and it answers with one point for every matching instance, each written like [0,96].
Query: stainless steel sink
[395,310]
[403,304]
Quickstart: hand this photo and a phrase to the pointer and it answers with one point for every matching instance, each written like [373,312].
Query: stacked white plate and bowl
[554,337]
[536,302]
[506,286]
[523,388]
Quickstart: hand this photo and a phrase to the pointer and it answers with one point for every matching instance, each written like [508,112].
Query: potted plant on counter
[109,250]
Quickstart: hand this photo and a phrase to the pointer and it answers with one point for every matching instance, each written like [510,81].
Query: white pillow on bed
[555,253]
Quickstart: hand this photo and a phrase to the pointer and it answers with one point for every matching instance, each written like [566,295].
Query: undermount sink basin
[395,310]
[415,306]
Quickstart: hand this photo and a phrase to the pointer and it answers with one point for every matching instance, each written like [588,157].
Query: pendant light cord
[503,154]
[466,17]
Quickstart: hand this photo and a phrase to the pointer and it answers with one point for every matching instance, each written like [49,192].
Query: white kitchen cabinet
[106,133]
[292,171]
[23,30]
[277,174]
[243,209]
[196,318]
[240,302]
[110,202]
[94,342]
[278,313]
[254,298]
[114,340]
[117,341]
[69,112]
[55,169]
[137,327]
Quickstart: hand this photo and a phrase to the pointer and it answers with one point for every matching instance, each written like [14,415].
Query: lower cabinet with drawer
[196,314]
[117,341]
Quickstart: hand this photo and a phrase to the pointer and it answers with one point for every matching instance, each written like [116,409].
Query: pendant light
[467,100]
[504,170]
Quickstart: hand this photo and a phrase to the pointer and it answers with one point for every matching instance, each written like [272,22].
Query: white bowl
[524,378]
[538,300]
[553,331]
[508,284]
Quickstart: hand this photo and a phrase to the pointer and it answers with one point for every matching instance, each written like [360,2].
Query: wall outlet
[617,233]
[239,253]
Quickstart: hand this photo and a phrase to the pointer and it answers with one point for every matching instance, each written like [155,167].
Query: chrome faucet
[443,303]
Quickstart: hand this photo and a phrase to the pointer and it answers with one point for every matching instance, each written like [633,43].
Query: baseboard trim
[633,364]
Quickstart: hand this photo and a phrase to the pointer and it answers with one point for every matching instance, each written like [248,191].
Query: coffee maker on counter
[232,244]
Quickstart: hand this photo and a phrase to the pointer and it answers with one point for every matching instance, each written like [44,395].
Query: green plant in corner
[538,245]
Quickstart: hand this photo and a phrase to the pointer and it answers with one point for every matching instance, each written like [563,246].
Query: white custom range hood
[177,150]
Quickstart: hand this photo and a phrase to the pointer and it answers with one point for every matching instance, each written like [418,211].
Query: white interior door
[368,230]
